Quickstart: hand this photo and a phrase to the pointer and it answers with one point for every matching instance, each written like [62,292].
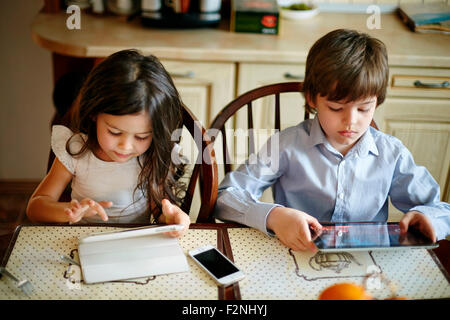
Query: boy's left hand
[174,215]
[420,222]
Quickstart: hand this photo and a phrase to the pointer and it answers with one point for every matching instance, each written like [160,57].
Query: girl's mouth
[121,155]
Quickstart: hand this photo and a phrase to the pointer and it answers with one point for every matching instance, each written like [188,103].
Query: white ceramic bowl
[299,14]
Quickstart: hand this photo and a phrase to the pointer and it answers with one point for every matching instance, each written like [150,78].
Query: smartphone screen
[216,263]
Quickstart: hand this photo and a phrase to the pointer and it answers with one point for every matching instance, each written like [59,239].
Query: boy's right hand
[87,208]
[292,227]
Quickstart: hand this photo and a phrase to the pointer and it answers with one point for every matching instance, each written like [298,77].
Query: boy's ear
[309,101]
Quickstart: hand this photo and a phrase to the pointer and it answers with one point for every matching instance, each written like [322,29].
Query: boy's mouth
[347,133]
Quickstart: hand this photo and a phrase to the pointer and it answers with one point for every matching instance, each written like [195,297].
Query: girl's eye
[114,133]
[142,138]
[363,110]
[335,109]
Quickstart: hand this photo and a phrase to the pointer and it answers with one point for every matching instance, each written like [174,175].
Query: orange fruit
[344,291]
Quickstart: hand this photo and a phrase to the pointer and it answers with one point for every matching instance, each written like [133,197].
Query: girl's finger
[99,209]
[105,204]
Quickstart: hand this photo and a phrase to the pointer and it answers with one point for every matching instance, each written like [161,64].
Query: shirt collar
[365,144]
[316,135]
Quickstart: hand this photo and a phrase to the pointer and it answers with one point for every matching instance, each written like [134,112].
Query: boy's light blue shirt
[308,174]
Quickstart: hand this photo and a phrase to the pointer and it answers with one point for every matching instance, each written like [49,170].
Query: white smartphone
[219,267]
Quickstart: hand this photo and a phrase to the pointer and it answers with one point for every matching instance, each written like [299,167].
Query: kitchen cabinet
[204,87]
[419,115]
[253,75]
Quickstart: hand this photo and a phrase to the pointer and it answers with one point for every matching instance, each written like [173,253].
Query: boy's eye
[363,110]
[335,109]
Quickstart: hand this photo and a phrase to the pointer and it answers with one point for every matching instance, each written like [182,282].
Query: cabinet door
[253,75]
[205,88]
[423,125]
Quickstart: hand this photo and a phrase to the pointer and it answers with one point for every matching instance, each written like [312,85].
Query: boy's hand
[174,215]
[292,227]
[420,222]
[87,208]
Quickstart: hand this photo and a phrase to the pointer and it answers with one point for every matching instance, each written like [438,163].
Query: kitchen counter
[100,36]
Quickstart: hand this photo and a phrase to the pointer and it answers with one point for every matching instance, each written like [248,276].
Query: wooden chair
[247,99]
[204,170]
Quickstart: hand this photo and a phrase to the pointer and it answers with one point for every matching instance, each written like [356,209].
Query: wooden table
[264,260]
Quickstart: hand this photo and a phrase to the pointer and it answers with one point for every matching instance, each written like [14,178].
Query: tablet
[362,236]
[130,233]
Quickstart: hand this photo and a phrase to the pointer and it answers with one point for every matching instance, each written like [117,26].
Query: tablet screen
[368,236]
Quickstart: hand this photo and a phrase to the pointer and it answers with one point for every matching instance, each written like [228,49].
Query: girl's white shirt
[101,180]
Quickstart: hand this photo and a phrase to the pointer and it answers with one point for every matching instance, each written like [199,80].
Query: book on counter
[432,17]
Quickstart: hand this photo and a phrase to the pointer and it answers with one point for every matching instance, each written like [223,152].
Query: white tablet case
[130,258]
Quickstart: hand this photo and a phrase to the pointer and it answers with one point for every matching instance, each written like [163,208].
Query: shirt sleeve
[59,138]
[240,190]
[413,188]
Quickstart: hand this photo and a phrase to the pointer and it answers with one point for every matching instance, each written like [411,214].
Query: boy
[335,167]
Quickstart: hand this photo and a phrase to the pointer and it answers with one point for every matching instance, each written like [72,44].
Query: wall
[25,88]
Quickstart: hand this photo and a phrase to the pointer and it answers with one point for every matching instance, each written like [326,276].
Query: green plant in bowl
[297,6]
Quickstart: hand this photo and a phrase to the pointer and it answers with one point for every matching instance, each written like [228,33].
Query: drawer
[419,82]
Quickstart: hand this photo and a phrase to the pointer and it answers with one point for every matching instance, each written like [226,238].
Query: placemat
[35,256]
[275,272]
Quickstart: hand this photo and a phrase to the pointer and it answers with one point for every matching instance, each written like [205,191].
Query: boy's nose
[350,116]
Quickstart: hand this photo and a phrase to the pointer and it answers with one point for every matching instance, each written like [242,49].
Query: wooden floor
[14,195]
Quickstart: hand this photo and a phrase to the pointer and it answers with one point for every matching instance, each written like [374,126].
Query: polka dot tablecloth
[275,272]
[36,253]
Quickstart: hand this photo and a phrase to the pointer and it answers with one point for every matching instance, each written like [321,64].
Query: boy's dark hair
[345,65]
[127,83]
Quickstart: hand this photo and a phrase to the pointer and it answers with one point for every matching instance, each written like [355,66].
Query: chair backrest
[246,99]
[204,170]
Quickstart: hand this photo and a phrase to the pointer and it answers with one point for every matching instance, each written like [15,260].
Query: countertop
[100,36]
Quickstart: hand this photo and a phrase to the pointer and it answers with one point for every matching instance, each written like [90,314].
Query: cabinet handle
[187,74]
[289,75]
[420,84]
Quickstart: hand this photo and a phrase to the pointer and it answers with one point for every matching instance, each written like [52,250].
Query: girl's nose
[125,143]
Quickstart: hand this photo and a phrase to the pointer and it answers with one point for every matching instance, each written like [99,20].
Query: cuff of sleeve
[439,220]
[261,211]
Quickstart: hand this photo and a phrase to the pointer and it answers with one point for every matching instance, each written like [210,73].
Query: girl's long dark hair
[127,83]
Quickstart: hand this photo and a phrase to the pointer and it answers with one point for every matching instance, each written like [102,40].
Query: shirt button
[341,195]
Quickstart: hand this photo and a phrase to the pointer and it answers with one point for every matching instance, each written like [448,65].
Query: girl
[117,152]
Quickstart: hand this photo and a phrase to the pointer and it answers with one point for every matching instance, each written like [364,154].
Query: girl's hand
[87,208]
[174,215]
[292,227]
[420,222]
